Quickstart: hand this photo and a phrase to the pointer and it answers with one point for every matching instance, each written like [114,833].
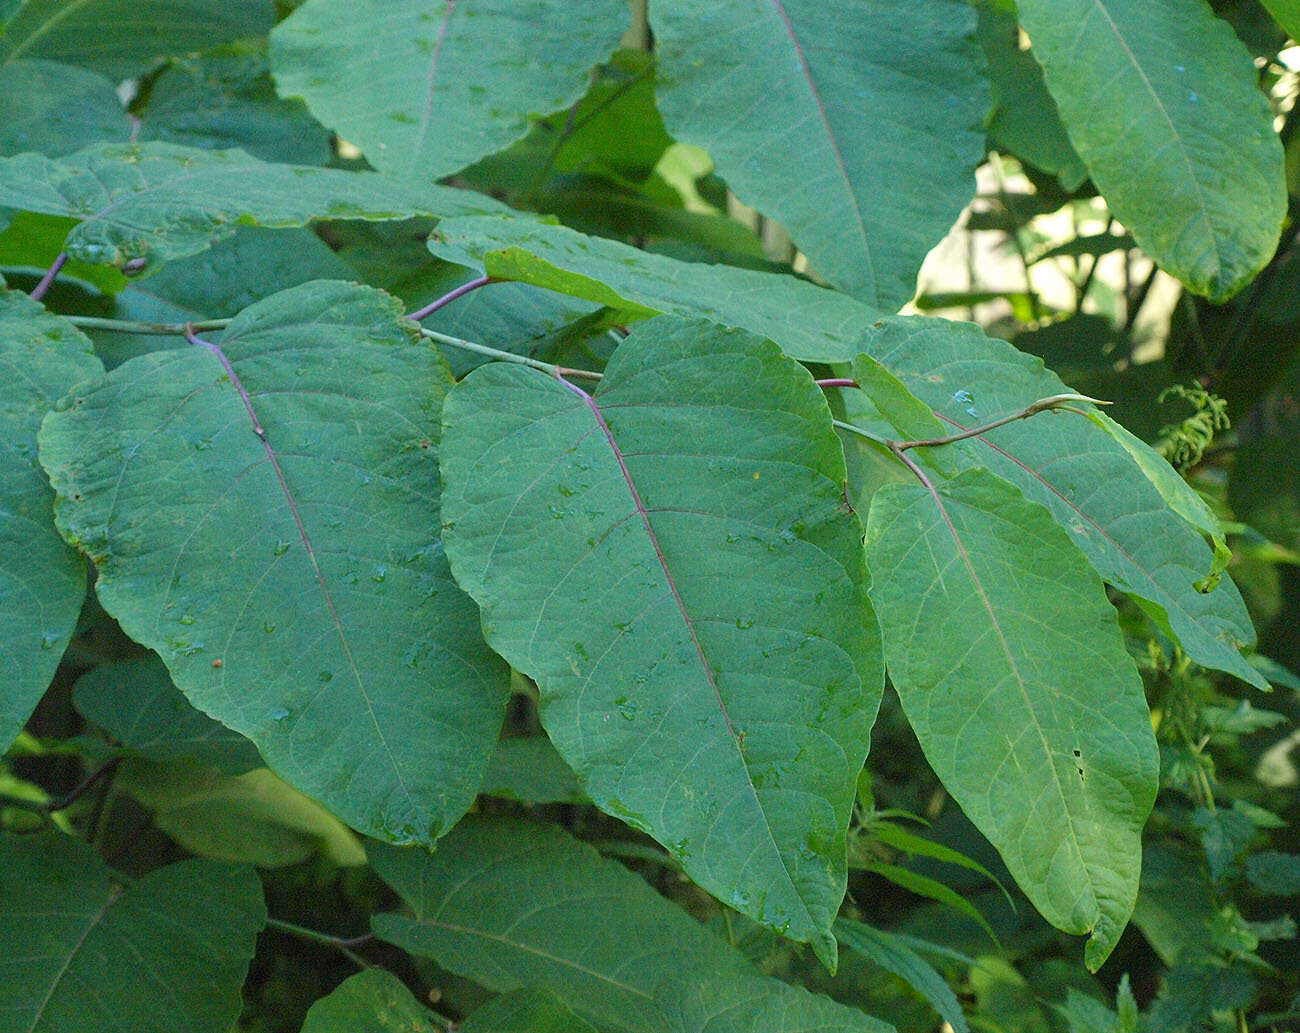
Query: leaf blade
[426,92]
[147,203]
[1136,82]
[655,662]
[42,580]
[815,114]
[808,322]
[1086,478]
[999,640]
[167,952]
[291,555]
[593,934]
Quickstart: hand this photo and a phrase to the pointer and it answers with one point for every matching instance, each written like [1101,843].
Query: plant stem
[638,36]
[315,936]
[50,276]
[130,326]
[853,429]
[836,382]
[504,356]
[1052,402]
[67,799]
[450,296]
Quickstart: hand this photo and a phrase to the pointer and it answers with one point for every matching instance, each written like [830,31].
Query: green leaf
[120,38]
[55,109]
[167,952]
[1286,13]
[42,581]
[531,771]
[1024,119]
[227,100]
[894,954]
[809,323]
[251,818]
[1270,871]
[246,267]
[375,1001]
[525,1011]
[147,203]
[1088,480]
[924,886]
[589,931]
[425,89]
[31,243]
[1012,672]
[1162,103]
[710,667]
[907,842]
[827,118]
[292,579]
[1180,496]
[137,704]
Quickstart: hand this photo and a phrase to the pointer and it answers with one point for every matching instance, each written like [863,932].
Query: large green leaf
[252,818]
[673,562]
[1011,669]
[227,100]
[245,267]
[895,954]
[136,703]
[809,323]
[286,566]
[373,1001]
[79,951]
[42,581]
[525,1011]
[146,203]
[54,108]
[827,117]
[1081,473]
[1162,103]
[587,930]
[1287,14]
[1024,119]
[425,88]
[121,37]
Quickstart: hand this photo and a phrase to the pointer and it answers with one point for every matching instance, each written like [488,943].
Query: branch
[450,296]
[130,326]
[504,356]
[1055,403]
[48,279]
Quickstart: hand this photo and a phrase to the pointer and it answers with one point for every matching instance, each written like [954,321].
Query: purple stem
[48,279]
[450,296]
[837,382]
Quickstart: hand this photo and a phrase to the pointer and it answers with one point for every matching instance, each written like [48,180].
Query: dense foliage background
[512,504]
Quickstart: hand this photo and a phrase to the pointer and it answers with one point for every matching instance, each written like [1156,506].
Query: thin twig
[67,799]
[131,326]
[504,356]
[1052,402]
[836,382]
[343,944]
[48,279]
[452,295]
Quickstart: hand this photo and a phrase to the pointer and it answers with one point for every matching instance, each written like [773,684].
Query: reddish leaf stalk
[48,279]
[450,296]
